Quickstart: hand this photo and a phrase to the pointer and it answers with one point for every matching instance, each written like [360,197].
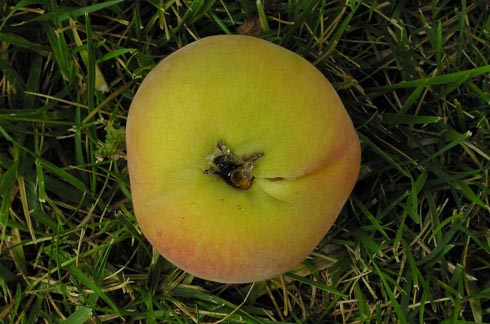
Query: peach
[241,156]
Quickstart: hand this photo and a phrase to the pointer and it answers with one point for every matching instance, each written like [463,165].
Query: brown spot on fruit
[234,170]
[276,179]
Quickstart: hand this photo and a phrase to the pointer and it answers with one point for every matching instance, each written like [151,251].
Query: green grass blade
[89,283]
[440,79]
[80,316]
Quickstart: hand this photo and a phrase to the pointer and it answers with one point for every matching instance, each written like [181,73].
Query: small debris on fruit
[234,170]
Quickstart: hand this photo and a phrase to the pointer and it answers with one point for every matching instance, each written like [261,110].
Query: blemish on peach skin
[276,179]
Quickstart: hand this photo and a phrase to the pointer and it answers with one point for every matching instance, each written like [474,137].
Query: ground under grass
[412,244]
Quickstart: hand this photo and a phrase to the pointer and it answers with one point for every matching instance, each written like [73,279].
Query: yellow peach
[241,156]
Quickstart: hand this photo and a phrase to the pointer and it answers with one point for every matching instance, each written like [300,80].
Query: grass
[412,245]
